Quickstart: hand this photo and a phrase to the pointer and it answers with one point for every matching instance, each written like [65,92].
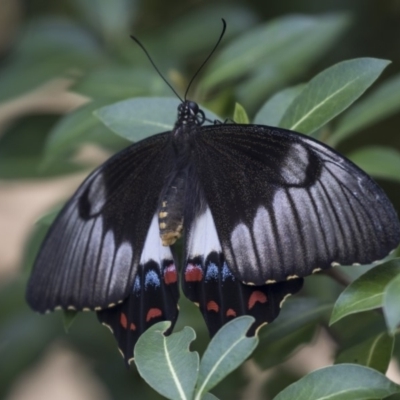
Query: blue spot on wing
[136,284]
[152,279]
[212,272]
[226,273]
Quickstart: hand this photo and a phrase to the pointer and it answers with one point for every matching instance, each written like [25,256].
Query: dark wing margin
[92,251]
[286,206]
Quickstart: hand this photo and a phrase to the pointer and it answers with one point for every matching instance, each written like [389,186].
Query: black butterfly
[259,207]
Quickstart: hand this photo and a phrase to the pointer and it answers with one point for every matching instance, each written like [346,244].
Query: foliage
[254,76]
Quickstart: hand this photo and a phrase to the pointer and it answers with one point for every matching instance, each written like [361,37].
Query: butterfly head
[189,113]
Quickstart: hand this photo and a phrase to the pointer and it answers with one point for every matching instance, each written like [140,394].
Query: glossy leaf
[138,118]
[391,301]
[166,363]
[272,111]
[118,83]
[291,60]
[378,161]
[247,52]
[240,115]
[228,349]
[374,352]
[340,382]
[330,92]
[379,104]
[366,292]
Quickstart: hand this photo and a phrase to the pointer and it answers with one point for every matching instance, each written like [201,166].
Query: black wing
[285,205]
[92,252]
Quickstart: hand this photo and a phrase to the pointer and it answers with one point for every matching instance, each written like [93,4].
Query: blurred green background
[62,60]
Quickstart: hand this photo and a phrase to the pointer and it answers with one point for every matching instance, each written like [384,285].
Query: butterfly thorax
[172,201]
[189,113]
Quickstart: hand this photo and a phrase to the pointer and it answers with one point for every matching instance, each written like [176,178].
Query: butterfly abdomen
[171,209]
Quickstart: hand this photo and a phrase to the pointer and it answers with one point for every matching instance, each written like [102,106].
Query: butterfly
[258,208]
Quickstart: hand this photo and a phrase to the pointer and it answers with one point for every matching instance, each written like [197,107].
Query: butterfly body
[259,208]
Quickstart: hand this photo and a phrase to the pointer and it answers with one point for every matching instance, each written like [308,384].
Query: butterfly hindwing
[208,281]
[154,295]
[285,206]
[91,253]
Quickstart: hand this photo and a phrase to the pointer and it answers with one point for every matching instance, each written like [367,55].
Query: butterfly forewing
[285,206]
[153,298]
[92,251]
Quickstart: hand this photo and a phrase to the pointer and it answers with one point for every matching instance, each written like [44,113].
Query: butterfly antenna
[155,67]
[209,56]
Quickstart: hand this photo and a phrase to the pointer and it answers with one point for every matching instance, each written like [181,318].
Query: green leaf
[68,318]
[166,363]
[374,352]
[366,292]
[229,348]
[239,115]
[378,161]
[138,118]
[295,326]
[295,314]
[391,301]
[330,92]
[272,111]
[340,382]
[291,60]
[209,396]
[118,83]
[186,35]
[379,104]
[262,43]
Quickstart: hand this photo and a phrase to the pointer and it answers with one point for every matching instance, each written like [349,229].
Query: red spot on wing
[231,313]
[153,313]
[257,297]
[193,273]
[123,320]
[212,306]
[132,327]
[170,275]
